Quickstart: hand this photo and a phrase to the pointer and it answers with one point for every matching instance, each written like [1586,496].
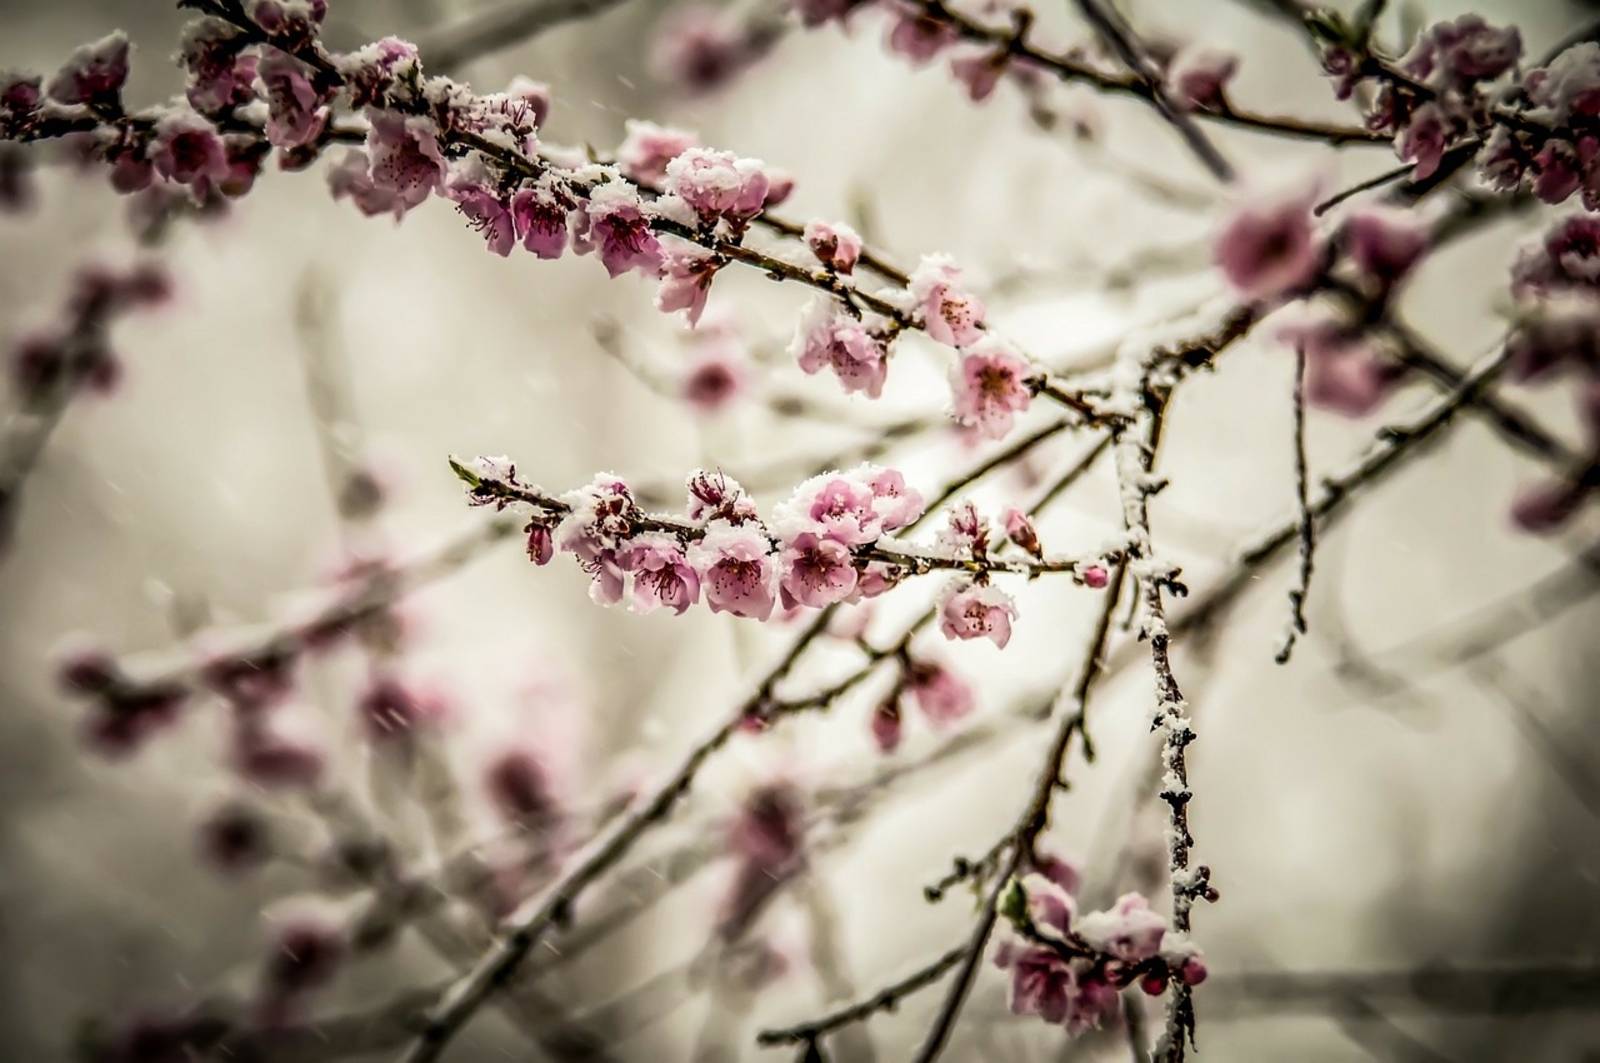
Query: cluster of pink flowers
[940,694]
[1539,129]
[1556,282]
[75,353]
[807,556]
[1068,968]
[1269,250]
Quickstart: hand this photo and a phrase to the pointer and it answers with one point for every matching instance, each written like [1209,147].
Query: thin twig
[1308,526]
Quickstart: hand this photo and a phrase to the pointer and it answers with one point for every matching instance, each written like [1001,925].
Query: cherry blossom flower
[1559,332]
[274,761]
[405,156]
[948,313]
[486,212]
[886,725]
[648,148]
[350,177]
[390,708]
[966,531]
[828,337]
[221,75]
[519,788]
[976,610]
[596,530]
[1094,576]
[686,275]
[736,567]
[918,37]
[1128,930]
[234,838]
[718,496]
[1020,530]
[295,115]
[718,184]
[1343,372]
[942,695]
[1422,142]
[1268,249]
[1567,259]
[896,504]
[540,213]
[980,72]
[307,950]
[371,73]
[187,150]
[814,13]
[541,545]
[700,48]
[715,380]
[815,571]
[1384,244]
[989,382]
[94,73]
[1557,171]
[836,245]
[617,226]
[662,575]
[1198,75]
[289,21]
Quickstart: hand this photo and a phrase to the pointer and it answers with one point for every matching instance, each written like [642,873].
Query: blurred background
[1380,815]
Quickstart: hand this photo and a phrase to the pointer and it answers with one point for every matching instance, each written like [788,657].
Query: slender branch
[1308,526]
[1114,30]
[886,999]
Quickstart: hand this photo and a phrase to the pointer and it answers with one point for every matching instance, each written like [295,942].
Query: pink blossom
[1343,372]
[1422,142]
[1384,244]
[886,725]
[949,314]
[1020,530]
[1094,576]
[596,530]
[686,275]
[700,48]
[295,115]
[1198,76]
[406,160]
[1129,930]
[306,952]
[1502,162]
[816,12]
[840,506]
[718,496]
[19,100]
[918,37]
[291,21]
[836,245]
[896,504]
[371,73]
[976,610]
[1557,171]
[234,838]
[519,788]
[1042,981]
[980,72]
[827,337]
[540,213]
[94,73]
[616,224]
[1547,506]
[221,75]
[942,695]
[351,177]
[187,149]
[662,575]
[541,546]
[1061,872]
[715,380]
[736,566]
[1457,54]
[766,838]
[1568,258]
[1561,332]
[815,571]
[966,532]
[648,148]
[274,761]
[485,212]
[389,708]
[1569,86]
[990,385]
[1267,248]
[718,184]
